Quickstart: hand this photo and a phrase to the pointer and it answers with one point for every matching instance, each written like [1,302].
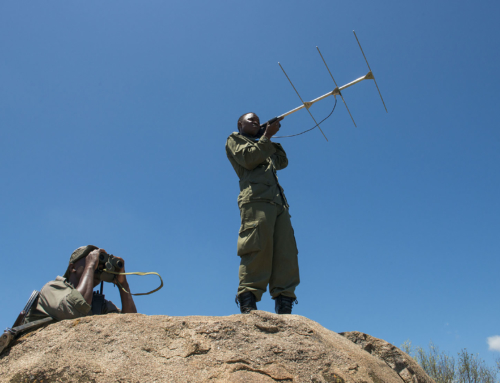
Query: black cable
[315,126]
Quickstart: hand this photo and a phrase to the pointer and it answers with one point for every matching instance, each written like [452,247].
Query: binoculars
[111,263]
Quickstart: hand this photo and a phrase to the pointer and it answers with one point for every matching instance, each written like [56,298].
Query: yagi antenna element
[336,86]
[337,91]
[306,105]
[370,72]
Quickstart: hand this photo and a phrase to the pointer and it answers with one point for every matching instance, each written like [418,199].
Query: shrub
[443,368]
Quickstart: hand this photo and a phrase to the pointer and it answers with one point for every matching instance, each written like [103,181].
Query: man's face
[249,124]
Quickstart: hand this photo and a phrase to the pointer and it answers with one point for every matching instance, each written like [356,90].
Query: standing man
[266,242]
[72,296]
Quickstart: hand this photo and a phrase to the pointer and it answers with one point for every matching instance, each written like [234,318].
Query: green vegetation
[443,368]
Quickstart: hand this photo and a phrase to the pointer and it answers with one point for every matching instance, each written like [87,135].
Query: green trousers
[268,251]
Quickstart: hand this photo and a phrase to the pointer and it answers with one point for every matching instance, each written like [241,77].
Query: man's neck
[253,138]
[73,279]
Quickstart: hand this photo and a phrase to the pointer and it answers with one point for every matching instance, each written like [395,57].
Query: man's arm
[128,305]
[279,158]
[86,284]
[247,154]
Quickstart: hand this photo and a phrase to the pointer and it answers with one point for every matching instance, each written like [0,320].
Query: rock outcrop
[406,367]
[259,347]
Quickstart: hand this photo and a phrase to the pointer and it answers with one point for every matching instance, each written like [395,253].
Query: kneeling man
[71,296]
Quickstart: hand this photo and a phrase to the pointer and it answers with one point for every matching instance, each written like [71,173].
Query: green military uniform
[266,242]
[60,300]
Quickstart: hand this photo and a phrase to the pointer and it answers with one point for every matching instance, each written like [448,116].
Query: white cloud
[494,343]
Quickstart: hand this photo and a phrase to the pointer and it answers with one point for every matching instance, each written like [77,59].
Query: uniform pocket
[248,238]
[76,302]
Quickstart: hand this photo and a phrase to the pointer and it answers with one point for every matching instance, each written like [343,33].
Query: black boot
[283,304]
[247,302]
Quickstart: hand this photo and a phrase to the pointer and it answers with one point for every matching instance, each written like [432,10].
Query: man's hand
[121,278]
[272,129]
[92,260]
[128,305]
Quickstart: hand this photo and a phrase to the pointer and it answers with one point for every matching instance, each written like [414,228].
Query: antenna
[337,91]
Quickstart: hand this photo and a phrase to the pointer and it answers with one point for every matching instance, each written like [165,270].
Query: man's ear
[71,268]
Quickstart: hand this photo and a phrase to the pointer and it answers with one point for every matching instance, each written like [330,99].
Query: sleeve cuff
[264,139]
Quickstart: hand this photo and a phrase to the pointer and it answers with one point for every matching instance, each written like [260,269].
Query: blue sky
[113,120]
